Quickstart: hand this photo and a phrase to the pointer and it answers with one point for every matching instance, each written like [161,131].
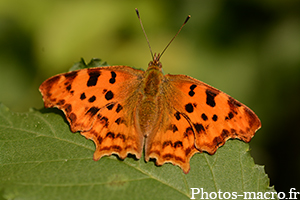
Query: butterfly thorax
[148,110]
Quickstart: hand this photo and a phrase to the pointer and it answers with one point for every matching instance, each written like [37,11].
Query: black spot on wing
[217,141]
[70,76]
[193,87]
[47,85]
[68,108]
[109,95]
[199,128]
[119,121]
[233,132]
[119,108]
[61,102]
[177,144]
[82,96]
[114,147]
[188,151]
[210,97]
[121,136]
[92,99]
[100,139]
[189,108]
[168,156]
[215,118]
[173,127]
[53,100]
[204,117]
[104,121]
[191,92]
[112,80]
[167,143]
[93,77]
[72,117]
[92,111]
[110,135]
[110,106]
[177,115]
[234,102]
[225,133]
[69,87]
[230,116]
[188,131]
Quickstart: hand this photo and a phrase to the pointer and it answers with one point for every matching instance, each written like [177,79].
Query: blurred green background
[249,49]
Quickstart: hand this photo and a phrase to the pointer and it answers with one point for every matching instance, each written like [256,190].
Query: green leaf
[95,62]
[42,159]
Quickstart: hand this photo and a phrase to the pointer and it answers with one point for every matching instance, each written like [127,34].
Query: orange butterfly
[124,110]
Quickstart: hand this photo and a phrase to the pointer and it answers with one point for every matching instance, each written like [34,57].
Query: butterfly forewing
[214,116]
[99,102]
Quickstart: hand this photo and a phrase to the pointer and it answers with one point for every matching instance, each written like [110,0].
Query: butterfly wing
[173,141]
[197,117]
[100,103]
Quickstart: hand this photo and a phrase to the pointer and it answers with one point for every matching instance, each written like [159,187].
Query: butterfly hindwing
[173,142]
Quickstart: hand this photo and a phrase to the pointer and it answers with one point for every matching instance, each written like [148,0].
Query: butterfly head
[155,63]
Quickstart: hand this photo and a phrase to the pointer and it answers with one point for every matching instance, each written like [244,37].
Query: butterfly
[126,110]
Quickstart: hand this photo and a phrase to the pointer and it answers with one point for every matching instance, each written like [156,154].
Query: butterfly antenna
[138,14]
[186,20]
